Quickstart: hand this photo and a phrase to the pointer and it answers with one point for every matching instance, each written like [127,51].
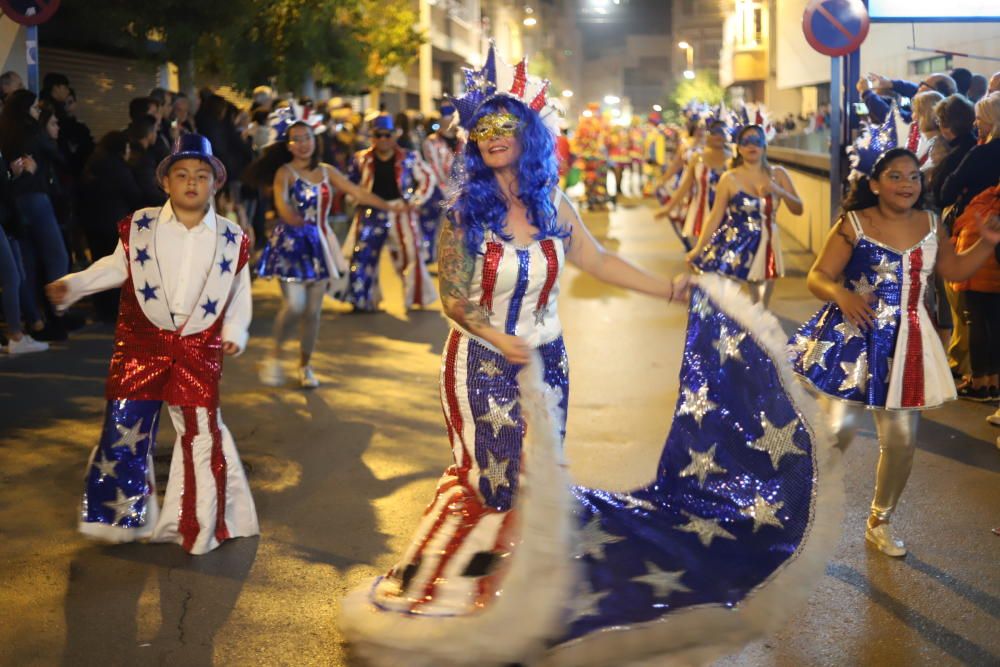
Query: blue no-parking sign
[835,27]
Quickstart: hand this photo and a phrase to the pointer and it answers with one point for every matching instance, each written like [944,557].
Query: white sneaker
[26,345]
[994,418]
[271,372]
[881,537]
[307,379]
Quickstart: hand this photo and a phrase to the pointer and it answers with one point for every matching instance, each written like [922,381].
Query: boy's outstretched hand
[57,292]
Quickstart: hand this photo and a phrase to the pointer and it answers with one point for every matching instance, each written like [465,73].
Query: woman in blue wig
[510,564]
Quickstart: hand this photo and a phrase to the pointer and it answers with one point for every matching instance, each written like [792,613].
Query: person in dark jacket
[956,118]
[980,168]
[142,161]
[872,86]
[44,249]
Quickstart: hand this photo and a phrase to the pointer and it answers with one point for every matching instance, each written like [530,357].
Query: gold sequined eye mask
[495,126]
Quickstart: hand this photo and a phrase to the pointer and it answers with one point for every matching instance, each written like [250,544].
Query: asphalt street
[341,475]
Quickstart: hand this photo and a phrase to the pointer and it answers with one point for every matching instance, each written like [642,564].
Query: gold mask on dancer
[495,126]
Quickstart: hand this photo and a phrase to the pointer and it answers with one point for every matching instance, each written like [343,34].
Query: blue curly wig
[477,202]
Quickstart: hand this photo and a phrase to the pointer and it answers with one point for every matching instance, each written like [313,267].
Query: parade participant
[872,346]
[702,173]
[185,302]
[400,177]
[619,159]
[440,149]
[590,147]
[302,252]
[669,194]
[634,181]
[499,569]
[740,238]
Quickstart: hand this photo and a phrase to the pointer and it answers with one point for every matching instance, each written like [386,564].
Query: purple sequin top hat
[447,110]
[383,122]
[196,147]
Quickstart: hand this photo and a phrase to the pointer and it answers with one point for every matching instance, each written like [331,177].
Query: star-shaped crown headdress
[874,141]
[282,119]
[498,78]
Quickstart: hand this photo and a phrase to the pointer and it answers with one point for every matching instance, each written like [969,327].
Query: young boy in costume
[185,302]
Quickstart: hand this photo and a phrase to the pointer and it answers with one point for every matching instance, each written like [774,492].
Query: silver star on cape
[762,512]
[862,287]
[498,415]
[777,441]
[849,331]
[701,306]
[631,502]
[105,467]
[706,529]
[731,257]
[696,405]
[124,506]
[662,581]
[856,374]
[496,472]
[586,604]
[886,270]
[129,437]
[593,539]
[489,368]
[702,465]
[885,314]
[801,345]
[728,345]
[816,354]
[731,234]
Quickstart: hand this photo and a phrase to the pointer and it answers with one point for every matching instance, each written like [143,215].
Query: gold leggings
[897,440]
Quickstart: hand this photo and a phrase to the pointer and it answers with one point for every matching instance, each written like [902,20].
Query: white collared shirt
[185,258]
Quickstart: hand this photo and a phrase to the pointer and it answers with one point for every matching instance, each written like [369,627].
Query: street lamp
[689,72]
[529,20]
[657,107]
[612,99]
[567,93]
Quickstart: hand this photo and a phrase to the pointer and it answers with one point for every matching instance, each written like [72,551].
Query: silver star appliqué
[776,441]
[498,415]
[701,306]
[816,354]
[489,368]
[586,604]
[763,512]
[105,467]
[702,465]
[129,437]
[706,529]
[728,345]
[593,539]
[540,316]
[885,271]
[496,472]
[856,374]
[123,506]
[849,331]
[662,581]
[731,234]
[799,347]
[862,287]
[696,404]
[885,314]
[731,257]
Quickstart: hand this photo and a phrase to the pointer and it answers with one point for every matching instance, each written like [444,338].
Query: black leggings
[983,310]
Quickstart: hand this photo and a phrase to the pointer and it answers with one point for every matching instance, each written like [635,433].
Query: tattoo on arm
[455,271]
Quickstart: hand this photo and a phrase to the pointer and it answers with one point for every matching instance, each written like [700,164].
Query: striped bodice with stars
[518,287]
[900,363]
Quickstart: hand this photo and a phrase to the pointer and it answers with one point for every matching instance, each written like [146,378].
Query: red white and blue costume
[439,152]
[373,227]
[705,180]
[511,564]
[900,363]
[164,355]
[746,246]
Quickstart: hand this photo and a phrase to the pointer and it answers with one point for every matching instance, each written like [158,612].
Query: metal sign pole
[836,132]
[31,45]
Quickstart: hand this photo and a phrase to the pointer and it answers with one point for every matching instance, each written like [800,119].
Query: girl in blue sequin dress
[873,345]
[301,252]
[740,239]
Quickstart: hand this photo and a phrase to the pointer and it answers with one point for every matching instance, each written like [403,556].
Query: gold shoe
[881,537]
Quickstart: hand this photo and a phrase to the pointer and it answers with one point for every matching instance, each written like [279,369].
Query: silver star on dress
[762,512]
[885,270]
[489,368]
[540,315]
[731,257]
[498,415]
[593,539]
[776,441]
[849,331]
[856,374]
[701,306]
[662,581]
[885,314]
[124,506]
[816,354]
[702,465]
[631,502]
[862,287]
[586,604]
[706,529]
[105,467]
[728,345]
[731,234]
[496,472]
[696,405]
[129,437]
[800,346]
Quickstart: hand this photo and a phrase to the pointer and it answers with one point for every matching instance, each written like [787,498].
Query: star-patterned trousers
[450,565]
[402,231]
[207,499]
[430,222]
